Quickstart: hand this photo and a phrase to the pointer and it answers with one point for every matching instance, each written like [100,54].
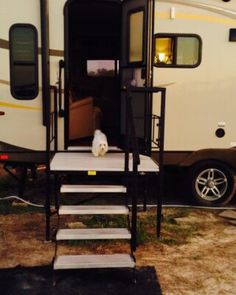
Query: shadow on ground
[39,280]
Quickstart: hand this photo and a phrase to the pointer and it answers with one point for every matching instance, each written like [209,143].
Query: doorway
[92,79]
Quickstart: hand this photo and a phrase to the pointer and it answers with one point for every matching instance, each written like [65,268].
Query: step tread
[93,234]
[93,209]
[94,261]
[75,188]
[111,162]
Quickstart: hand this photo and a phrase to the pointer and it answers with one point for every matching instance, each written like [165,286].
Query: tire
[212,183]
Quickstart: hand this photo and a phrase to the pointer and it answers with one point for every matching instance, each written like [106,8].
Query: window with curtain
[176,50]
[23,61]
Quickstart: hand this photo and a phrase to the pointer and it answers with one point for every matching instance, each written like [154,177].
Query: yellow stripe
[207,18]
[203,18]
[56,52]
[4,44]
[18,106]
[5,82]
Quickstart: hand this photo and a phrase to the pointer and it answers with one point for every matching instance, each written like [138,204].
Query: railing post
[130,132]
[48,152]
[55,120]
[161,161]
[47,200]
[127,131]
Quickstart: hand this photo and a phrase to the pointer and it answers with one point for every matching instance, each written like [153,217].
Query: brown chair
[84,118]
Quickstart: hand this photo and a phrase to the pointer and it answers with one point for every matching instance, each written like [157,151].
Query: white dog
[99,144]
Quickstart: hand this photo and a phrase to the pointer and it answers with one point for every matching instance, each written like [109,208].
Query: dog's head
[103,148]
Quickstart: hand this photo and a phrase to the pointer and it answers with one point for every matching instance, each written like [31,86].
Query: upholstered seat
[84,118]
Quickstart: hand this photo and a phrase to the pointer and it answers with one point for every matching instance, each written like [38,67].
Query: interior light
[162,57]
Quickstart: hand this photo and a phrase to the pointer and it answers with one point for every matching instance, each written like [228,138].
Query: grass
[172,231]
[8,207]
[9,187]
[106,221]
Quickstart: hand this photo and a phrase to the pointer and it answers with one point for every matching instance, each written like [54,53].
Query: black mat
[39,280]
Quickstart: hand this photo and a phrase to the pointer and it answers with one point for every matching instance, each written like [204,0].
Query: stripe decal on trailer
[4,44]
[5,82]
[207,7]
[202,18]
[18,106]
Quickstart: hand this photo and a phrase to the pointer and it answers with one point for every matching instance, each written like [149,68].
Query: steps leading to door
[115,260]
[75,163]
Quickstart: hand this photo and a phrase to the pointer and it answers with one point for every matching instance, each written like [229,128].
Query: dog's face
[103,148]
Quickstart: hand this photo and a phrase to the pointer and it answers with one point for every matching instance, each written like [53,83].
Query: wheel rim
[211,184]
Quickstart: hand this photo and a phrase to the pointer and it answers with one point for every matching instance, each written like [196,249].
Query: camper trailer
[194,43]
[88,52]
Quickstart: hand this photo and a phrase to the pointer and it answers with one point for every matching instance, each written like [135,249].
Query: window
[175,50]
[23,61]
[102,68]
[136,27]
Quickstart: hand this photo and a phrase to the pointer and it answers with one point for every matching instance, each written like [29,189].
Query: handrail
[51,135]
[130,120]
[130,132]
[54,118]
[61,66]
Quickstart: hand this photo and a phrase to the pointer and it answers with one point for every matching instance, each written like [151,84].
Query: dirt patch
[203,263]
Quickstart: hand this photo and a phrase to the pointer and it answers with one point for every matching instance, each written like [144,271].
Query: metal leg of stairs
[47,204]
[134,279]
[159,204]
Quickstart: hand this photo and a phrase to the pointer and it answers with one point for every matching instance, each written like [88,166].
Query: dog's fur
[99,144]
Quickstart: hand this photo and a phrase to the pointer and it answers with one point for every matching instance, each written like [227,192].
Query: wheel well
[226,157]
[216,161]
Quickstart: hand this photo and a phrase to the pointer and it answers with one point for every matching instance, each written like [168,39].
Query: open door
[92,47]
[136,65]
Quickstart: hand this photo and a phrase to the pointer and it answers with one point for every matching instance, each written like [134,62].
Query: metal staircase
[130,165]
[116,260]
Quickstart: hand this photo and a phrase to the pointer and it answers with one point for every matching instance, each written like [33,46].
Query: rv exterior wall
[22,123]
[199,99]
[56,33]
